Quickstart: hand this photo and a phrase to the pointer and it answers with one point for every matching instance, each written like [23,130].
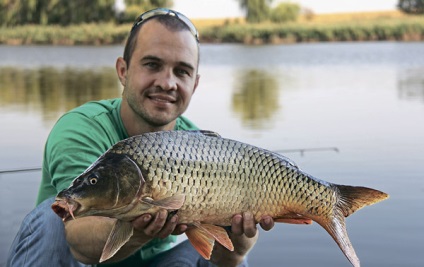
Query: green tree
[256,10]
[285,12]
[411,6]
[63,12]
[145,5]
[136,7]
[13,12]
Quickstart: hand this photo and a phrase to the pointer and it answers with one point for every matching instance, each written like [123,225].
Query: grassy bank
[331,27]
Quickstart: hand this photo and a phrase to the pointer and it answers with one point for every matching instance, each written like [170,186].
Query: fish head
[108,187]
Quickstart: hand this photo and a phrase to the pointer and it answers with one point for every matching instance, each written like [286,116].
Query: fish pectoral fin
[170,203]
[120,234]
[293,218]
[203,237]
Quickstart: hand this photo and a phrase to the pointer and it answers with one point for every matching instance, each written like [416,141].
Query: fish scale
[206,180]
[257,166]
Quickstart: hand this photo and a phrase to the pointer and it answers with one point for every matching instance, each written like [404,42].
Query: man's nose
[166,80]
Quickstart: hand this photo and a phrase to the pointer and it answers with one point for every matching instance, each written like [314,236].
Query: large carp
[206,180]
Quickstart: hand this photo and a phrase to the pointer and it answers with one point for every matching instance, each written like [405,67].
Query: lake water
[349,113]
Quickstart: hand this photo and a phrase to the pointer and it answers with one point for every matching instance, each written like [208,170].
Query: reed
[323,28]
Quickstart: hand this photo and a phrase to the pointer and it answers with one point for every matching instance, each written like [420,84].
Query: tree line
[66,12]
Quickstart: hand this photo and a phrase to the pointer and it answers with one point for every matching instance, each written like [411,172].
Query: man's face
[162,75]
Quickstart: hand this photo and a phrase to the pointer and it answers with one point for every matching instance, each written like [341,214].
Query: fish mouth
[64,208]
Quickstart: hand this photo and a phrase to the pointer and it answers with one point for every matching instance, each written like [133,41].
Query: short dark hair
[170,22]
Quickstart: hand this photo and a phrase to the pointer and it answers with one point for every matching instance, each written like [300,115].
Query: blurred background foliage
[65,12]
[255,99]
[103,22]
[54,91]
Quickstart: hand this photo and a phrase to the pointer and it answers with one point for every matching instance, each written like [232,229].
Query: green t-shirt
[78,138]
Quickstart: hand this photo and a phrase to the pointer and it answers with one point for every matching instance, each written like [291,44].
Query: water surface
[361,105]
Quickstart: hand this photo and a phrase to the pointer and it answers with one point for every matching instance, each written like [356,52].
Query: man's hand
[149,226]
[244,235]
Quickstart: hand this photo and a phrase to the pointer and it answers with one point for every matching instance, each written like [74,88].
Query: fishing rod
[21,170]
[303,150]
[298,150]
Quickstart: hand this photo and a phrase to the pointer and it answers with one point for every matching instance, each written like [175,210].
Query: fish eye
[93,180]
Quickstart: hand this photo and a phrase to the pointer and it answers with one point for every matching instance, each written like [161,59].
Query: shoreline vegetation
[369,26]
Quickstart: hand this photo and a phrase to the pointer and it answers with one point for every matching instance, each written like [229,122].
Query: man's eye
[182,72]
[152,65]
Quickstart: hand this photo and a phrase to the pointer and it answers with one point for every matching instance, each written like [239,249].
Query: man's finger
[249,226]
[267,223]
[141,222]
[155,225]
[237,224]
[169,227]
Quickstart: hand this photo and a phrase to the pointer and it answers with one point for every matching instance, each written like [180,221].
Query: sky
[230,8]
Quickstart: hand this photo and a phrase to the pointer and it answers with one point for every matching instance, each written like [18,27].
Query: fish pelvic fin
[293,218]
[203,236]
[336,227]
[353,198]
[120,234]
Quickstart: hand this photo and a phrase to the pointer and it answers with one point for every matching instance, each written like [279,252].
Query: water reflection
[53,91]
[255,99]
[411,85]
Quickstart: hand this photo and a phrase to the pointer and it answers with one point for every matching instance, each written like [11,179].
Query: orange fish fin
[336,227]
[203,237]
[293,218]
[218,233]
[353,198]
[170,203]
[350,199]
[294,221]
[201,241]
[120,234]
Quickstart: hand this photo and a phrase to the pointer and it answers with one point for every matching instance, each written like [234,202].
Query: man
[159,72]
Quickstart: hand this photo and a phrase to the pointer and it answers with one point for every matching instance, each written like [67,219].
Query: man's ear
[196,83]
[121,70]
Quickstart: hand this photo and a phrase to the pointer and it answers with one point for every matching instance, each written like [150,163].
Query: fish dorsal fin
[293,218]
[170,203]
[209,133]
[120,234]
[203,237]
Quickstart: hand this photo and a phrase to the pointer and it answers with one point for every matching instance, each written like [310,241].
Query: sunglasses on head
[166,12]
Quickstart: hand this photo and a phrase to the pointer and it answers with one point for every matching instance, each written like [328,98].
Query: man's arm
[244,235]
[87,236]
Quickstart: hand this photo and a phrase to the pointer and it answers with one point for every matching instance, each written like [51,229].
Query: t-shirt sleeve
[73,145]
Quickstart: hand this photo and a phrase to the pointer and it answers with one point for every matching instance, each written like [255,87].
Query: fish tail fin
[350,199]
[353,198]
[336,227]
